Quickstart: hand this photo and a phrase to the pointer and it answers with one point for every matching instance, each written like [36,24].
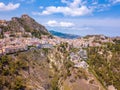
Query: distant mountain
[63,35]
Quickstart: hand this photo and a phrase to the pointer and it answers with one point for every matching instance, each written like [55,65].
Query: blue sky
[79,17]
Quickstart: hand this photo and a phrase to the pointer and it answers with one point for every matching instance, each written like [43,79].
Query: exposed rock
[24,24]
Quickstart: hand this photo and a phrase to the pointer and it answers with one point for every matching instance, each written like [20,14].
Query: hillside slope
[104,63]
[44,69]
[24,25]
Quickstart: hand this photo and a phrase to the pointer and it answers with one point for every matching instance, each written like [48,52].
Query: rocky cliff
[23,24]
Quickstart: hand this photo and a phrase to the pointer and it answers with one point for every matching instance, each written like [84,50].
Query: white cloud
[78,7]
[75,8]
[8,7]
[85,26]
[53,23]
[66,24]
[83,10]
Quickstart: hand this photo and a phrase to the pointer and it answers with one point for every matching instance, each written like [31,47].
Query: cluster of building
[79,58]
[3,22]
[80,42]
[12,45]
[15,44]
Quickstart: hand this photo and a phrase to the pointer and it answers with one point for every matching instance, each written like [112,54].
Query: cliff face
[24,24]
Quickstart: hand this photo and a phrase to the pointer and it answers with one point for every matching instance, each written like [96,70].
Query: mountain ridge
[64,35]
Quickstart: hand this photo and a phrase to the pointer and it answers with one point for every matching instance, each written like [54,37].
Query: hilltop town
[17,41]
[13,44]
[14,41]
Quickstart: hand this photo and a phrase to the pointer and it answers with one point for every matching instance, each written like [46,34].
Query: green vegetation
[68,64]
[106,66]
[61,66]
[10,77]
[116,41]
[1,35]
[81,73]
[54,83]
[36,33]
[24,25]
